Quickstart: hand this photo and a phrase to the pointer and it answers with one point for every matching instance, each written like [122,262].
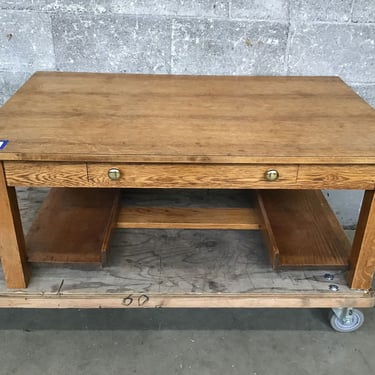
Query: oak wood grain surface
[336,176]
[188,218]
[306,232]
[220,176]
[12,242]
[50,174]
[362,257]
[268,233]
[73,226]
[142,118]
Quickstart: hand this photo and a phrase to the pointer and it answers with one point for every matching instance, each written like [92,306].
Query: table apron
[171,175]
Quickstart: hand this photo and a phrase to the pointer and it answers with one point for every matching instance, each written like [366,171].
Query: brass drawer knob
[272,175]
[114,174]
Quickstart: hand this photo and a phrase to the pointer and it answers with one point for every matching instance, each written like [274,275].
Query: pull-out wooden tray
[73,226]
[301,230]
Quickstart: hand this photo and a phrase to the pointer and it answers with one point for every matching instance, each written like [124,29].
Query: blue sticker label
[3,143]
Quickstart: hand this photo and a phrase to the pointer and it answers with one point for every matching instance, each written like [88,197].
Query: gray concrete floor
[181,341]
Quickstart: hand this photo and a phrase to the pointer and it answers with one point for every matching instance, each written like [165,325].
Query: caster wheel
[351,324]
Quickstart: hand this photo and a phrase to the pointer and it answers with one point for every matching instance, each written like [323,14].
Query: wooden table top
[195,119]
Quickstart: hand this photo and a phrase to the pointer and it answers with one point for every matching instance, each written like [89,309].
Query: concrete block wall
[246,37]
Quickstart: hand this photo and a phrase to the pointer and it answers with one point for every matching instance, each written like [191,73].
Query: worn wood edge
[190,159]
[188,218]
[301,300]
[273,250]
[196,77]
[111,225]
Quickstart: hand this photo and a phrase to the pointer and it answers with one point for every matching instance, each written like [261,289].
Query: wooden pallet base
[186,301]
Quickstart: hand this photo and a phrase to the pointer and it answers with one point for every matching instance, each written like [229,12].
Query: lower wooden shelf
[177,268]
[301,229]
[73,226]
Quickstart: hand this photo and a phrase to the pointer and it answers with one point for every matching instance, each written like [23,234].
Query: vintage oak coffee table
[88,136]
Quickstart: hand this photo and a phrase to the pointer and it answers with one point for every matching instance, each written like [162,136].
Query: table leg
[12,242]
[362,259]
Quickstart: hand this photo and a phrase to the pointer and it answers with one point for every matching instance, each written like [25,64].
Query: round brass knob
[114,174]
[272,175]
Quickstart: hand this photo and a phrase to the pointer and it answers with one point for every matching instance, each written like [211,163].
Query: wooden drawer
[336,177]
[191,176]
[50,174]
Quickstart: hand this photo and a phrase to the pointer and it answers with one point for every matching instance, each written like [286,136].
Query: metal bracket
[344,314]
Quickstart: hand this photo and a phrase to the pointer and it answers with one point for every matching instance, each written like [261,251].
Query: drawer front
[48,174]
[336,177]
[190,176]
